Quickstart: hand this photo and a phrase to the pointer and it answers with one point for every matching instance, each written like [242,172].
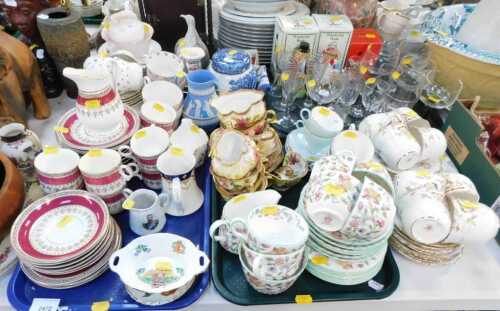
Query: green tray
[230,282]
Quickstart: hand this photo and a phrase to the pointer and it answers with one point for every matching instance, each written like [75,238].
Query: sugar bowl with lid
[233,70]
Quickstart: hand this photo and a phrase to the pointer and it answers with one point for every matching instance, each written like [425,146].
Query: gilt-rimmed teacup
[459,186]
[57,169]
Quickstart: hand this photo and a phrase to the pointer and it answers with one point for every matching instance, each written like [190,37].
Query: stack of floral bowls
[437,215]
[236,165]
[350,219]
[245,111]
[65,239]
[272,250]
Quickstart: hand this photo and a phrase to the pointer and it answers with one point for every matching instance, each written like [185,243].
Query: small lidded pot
[233,70]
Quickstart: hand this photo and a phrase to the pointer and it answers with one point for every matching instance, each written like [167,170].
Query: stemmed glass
[291,82]
[383,63]
[374,93]
[280,64]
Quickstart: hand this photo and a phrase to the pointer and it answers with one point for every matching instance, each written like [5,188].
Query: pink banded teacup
[57,169]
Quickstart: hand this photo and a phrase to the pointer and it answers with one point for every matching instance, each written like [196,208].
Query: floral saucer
[72,133]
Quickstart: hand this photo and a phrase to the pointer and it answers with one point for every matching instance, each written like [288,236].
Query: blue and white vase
[233,70]
[201,89]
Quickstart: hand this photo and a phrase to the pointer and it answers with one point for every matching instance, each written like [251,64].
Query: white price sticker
[45,304]
[375,285]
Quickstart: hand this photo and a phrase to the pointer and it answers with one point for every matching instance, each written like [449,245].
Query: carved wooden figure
[20,81]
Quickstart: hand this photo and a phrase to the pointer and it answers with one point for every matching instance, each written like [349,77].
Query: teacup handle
[127,192]
[147,80]
[215,226]
[271,116]
[126,152]
[201,267]
[257,269]
[128,171]
[299,124]
[234,226]
[305,114]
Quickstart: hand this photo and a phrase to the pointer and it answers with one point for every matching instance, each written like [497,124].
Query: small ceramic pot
[472,222]
[356,142]
[182,196]
[328,202]
[12,191]
[165,66]
[192,57]
[191,137]
[158,263]
[420,182]
[239,206]
[145,212]
[163,92]
[273,267]
[372,215]
[405,156]
[21,146]
[233,70]
[57,170]
[105,175]
[266,286]
[460,187]
[321,121]
[272,229]
[425,220]
[432,143]
[240,110]
[159,114]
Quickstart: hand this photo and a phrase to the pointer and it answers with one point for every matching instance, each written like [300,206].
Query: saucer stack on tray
[250,24]
[65,239]
[350,220]
[236,165]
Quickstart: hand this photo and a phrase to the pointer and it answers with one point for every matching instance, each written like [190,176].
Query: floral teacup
[377,172]
[419,182]
[472,222]
[459,186]
[372,214]
[272,229]
[343,161]
[432,143]
[273,267]
[328,202]
[239,206]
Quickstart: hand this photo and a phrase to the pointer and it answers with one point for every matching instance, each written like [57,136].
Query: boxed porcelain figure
[335,32]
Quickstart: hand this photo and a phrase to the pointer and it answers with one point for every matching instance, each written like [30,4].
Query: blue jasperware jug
[201,89]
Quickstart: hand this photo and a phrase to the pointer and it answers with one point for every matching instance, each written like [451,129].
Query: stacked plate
[427,254]
[65,239]
[131,99]
[245,25]
[336,259]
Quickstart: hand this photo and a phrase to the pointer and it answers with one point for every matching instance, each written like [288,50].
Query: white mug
[145,212]
[397,147]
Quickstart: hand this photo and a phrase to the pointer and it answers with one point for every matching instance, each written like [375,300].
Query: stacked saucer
[250,25]
[236,165]
[350,221]
[426,254]
[65,239]
[132,99]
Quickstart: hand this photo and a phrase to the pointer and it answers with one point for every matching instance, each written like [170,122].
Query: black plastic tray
[230,282]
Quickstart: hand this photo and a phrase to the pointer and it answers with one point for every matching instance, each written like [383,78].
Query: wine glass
[291,83]
[382,63]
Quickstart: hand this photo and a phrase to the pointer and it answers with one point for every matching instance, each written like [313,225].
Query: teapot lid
[124,27]
[230,61]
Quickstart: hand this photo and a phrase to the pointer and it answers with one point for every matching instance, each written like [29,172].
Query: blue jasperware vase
[201,89]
